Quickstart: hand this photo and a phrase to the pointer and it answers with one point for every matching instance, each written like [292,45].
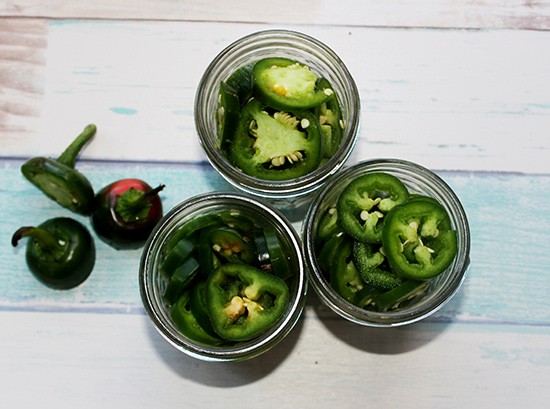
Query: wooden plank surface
[516,14]
[458,94]
[460,87]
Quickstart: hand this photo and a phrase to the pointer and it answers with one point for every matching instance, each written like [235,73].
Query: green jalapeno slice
[185,321]
[418,239]
[373,266]
[344,276]
[330,119]
[181,280]
[286,84]
[244,302]
[276,145]
[364,203]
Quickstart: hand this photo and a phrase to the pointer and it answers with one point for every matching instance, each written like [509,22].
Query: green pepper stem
[44,238]
[132,207]
[68,157]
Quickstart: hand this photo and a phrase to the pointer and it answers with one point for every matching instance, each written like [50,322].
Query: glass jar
[152,283]
[276,43]
[418,180]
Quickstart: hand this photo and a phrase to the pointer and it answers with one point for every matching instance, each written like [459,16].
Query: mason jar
[153,283]
[441,288]
[250,49]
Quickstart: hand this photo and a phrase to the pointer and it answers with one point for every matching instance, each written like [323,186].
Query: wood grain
[446,99]
[120,361]
[515,14]
[501,272]
[23,48]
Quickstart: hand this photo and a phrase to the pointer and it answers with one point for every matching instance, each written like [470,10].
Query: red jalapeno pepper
[126,212]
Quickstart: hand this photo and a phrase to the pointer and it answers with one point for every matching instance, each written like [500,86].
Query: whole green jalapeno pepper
[418,239]
[278,145]
[365,201]
[59,179]
[60,252]
[243,301]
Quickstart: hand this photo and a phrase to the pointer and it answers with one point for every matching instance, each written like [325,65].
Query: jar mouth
[149,275]
[249,49]
[442,288]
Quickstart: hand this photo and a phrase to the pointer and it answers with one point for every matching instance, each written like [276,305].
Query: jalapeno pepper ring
[244,302]
[365,201]
[286,84]
[277,145]
[418,239]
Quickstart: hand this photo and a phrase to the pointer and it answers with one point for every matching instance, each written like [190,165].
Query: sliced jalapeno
[180,280]
[244,302]
[373,266]
[418,239]
[364,203]
[276,145]
[286,84]
[328,225]
[181,251]
[185,321]
[393,298]
[330,119]
[344,276]
[199,309]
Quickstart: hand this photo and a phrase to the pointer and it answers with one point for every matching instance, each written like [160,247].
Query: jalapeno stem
[132,207]
[68,157]
[44,238]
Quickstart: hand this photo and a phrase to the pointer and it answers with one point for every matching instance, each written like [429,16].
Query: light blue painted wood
[508,280]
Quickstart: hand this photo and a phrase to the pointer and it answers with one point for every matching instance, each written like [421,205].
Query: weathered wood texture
[447,99]
[461,87]
[516,14]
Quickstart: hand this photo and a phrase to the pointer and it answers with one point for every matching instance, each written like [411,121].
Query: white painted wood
[472,104]
[470,100]
[517,14]
[87,360]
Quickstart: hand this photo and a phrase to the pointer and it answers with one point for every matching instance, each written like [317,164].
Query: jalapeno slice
[364,203]
[328,225]
[373,266]
[276,145]
[181,251]
[185,321]
[181,280]
[344,276]
[393,298]
[330,119]
[418,239]
[244,302]
[286,84]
